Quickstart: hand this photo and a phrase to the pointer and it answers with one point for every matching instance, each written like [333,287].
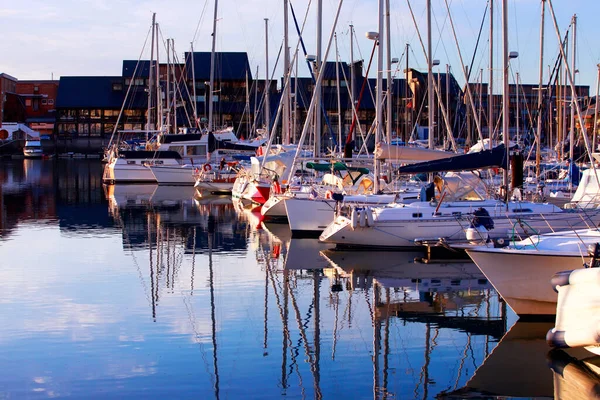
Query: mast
[267,105]
[379,98]
[407,110]
[158,96]
[573,94]
[286,72]
[175,86]
[429,79]
[150,80]
[389,73]
[168,82]
[318,91]
[491,82]
[538,135]
[195,102]
[248,123]
[518,106]
[339,101]
[209,95]
[505,99]
[352,83]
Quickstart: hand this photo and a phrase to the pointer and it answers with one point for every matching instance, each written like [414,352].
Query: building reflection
[67,191]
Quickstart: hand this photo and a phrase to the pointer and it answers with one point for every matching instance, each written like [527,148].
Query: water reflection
[173,295]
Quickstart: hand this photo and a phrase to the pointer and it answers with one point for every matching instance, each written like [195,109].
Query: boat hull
[523,278]
[174,175]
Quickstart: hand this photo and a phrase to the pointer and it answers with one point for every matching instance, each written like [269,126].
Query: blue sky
[92,37]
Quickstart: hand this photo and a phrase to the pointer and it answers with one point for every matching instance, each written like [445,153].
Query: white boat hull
[309,217]
[523,279]
[174,175]
[123,173]
[402,232]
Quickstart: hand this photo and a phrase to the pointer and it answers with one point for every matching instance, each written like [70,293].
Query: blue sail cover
[496,157]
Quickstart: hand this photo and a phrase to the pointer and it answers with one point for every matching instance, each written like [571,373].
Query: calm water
[148,292]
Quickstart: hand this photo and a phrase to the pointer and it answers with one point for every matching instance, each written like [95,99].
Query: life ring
[328,194]
[206,167]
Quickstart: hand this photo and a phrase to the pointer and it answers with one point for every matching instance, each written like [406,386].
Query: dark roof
[228,66]
[97,92]
[143,68]
[329,72]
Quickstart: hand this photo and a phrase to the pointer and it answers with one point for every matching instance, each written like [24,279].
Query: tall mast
[379,99]
[209,94]
[339,101]
[430,100]
[505,99]
[158,96]
[491,82]
[286,72]
[175,86]
[168,83]
[248,123]
[538,134]
[573,93]
[352,84]
[389,72]
[267,105]
[150,80]
[407,110]
[195,102]
[318,92]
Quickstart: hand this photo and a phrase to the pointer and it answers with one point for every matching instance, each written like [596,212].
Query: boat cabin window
[153,162]
[196,150]
[178,149]
[417,215]
[130,161]
[522,210]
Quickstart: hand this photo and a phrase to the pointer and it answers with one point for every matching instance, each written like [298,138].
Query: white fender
[477,235]
[354,218]
[363,218]
[370,220]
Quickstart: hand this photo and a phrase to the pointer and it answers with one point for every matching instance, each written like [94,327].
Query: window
[44,102]
[199,150]
[108,128]
[95,129]
[111,113]
[83,129]
[36,104]
[27,102]
[50,102]
[96,114]
[84,113]
[117,87]
[178,149]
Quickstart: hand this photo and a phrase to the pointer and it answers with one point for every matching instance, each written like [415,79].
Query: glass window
[27,102]
[83,129]
[50,102]
[96,114]
[95,129]
[117,87]
[44,102]
[111,113]
[178,149]
[108,128]
[84,113]
[197,150]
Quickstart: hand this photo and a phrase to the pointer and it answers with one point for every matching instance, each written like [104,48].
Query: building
[8,86]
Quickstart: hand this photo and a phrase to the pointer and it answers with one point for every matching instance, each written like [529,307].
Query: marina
[135,291]
[343,223]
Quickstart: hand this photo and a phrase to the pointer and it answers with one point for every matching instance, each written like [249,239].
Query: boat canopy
[384,151]
[337,166]
[496,157]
